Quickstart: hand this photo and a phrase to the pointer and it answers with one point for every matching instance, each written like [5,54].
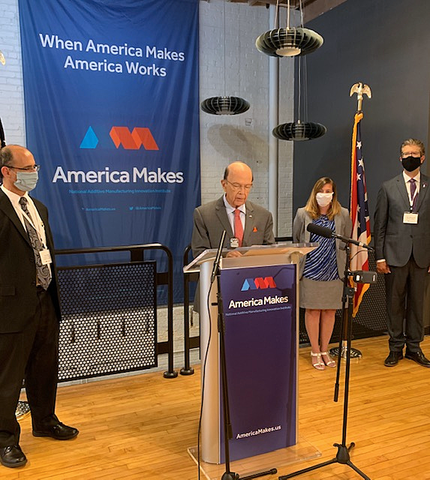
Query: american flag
[359,211]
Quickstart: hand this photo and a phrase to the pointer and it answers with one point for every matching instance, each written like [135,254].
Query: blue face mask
[26,181]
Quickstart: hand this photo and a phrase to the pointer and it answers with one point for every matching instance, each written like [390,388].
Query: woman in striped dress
[322,270]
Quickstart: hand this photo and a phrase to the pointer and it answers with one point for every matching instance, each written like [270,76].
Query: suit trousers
[405,288]
[31,355]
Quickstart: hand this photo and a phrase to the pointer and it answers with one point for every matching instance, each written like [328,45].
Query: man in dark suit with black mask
[402,232]
[29,308]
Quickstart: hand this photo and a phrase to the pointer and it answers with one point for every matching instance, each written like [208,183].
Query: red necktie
[238,227]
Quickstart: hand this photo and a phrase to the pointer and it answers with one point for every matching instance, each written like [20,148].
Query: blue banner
[112,117]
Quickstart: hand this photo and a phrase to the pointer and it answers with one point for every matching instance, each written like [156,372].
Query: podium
[260,297]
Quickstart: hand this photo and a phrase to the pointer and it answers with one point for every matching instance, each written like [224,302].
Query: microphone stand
[329,233]
[228,430]
[342,351]
[342,455]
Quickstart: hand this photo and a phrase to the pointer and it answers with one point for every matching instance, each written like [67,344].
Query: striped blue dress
[320,286]
[321,263]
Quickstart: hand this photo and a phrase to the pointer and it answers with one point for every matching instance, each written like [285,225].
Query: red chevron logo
[264,283]
[258,283]
[133,140]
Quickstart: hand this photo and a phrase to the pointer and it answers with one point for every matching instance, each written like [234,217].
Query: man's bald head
[237,183]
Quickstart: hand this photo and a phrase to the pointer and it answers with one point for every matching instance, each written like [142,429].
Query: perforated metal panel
[108,319]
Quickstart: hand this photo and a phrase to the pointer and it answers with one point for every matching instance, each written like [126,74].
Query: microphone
[328,233]
[2,136]
[218,256]
[321,231]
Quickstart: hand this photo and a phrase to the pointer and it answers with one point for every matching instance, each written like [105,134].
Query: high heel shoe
[330,362]
[319,364]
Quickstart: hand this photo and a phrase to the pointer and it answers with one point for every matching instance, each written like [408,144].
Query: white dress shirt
[37,221]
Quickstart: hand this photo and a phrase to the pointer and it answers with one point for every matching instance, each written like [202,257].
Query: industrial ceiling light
[300,130]
[288,41]
[225,105]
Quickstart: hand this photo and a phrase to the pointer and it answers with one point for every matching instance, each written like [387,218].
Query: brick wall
[11,89]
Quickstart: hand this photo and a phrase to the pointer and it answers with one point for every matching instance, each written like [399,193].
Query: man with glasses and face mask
[401,233]
[245,222]
[29,308]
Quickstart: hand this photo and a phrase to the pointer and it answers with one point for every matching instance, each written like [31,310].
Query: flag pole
[343,455]
[358,210]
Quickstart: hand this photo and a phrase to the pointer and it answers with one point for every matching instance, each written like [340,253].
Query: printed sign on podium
[259,293]
[261,351]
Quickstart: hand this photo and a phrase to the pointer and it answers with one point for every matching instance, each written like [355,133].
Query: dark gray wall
[385,44]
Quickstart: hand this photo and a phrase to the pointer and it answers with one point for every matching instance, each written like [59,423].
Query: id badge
[45,256]
[234,242]
[410,218]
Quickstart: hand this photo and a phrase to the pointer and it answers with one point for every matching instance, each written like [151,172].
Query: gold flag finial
[360,89]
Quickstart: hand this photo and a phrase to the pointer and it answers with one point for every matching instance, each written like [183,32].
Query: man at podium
[245,222]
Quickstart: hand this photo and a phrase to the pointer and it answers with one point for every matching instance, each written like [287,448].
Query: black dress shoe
[59,431]
[418,357]
[12,456]
[393,359]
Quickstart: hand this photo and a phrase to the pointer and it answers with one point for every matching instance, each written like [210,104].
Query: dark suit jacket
[18,296]
[211,219]
[396,241]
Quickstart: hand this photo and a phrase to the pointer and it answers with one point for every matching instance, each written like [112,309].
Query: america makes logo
[122,136]
[258,283]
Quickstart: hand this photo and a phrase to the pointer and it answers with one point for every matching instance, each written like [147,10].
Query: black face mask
[411,163]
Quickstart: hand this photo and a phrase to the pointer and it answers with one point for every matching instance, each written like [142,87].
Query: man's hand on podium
[233,253]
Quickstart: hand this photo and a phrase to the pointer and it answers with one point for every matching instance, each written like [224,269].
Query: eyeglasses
[237,186]
[31,168]
[411,154]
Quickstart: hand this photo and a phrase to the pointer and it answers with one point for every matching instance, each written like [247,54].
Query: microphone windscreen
[321,231]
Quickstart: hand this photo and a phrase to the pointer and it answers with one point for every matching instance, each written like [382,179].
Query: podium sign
[261,356]
[259,292]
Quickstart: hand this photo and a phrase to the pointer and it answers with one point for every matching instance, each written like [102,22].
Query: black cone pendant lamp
[293,42]
[288,41]
[298,131]
[224,105]
[301,129]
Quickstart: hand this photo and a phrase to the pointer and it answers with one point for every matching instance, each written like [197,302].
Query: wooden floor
[140,427]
